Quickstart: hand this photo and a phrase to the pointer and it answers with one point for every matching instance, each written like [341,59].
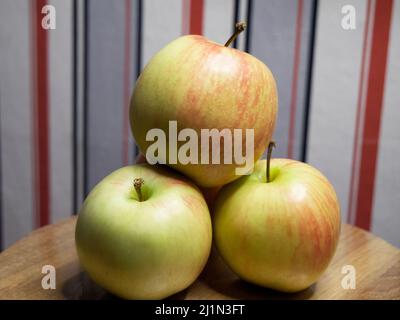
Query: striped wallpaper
[64,95]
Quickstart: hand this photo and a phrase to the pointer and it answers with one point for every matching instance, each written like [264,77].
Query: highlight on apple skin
[204,85]
[144,239]
[281,234]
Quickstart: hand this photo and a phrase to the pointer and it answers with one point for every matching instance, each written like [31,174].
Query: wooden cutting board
[376,262]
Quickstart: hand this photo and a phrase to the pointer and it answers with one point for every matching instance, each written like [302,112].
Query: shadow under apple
[219,277]
[82,287]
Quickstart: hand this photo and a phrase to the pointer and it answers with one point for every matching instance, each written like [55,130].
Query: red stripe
[127,82]
[295,78]
[40,114]
[357,125]
[373,112]
[196,16]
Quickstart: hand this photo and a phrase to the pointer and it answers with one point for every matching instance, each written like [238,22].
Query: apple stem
[138,182]
[239,27]
[269,154]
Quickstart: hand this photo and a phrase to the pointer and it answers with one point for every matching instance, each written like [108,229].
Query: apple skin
[210,194]
[149,249]
[282,234]
[204,85]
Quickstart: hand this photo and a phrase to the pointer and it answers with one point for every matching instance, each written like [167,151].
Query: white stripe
[386,209]
[16,123]
[185,16]
[132,72]
[78,189]
[336,76]
[60,107]
[218,20]
[162,23]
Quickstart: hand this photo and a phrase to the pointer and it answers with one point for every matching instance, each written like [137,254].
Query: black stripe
[86,99]
[139,27]
[75,107]
[248,30]
[1,186]
[235,19]
[307,106]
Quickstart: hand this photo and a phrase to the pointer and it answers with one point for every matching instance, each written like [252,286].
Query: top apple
[199,84]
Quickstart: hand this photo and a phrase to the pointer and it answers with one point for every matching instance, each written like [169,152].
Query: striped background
[64,95]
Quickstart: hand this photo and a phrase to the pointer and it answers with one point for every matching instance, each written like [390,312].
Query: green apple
[210,194]
[279,234]
[203,85]
[144,232]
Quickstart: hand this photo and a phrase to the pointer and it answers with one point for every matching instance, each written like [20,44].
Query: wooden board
[377,266]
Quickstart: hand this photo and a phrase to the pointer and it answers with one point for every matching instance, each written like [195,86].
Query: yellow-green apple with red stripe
[201,84]
[144,232]
[280,233]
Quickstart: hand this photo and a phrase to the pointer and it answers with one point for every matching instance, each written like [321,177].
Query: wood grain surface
[376,262]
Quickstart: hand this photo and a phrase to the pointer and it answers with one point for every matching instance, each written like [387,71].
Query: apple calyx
[271,145]
[239,27]
[137,183]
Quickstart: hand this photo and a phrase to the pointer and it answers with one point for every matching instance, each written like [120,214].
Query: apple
[144,232]
[201,84]
[279,234]
[210,194]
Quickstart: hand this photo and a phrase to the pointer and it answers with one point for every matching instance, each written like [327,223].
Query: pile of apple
[145,231]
